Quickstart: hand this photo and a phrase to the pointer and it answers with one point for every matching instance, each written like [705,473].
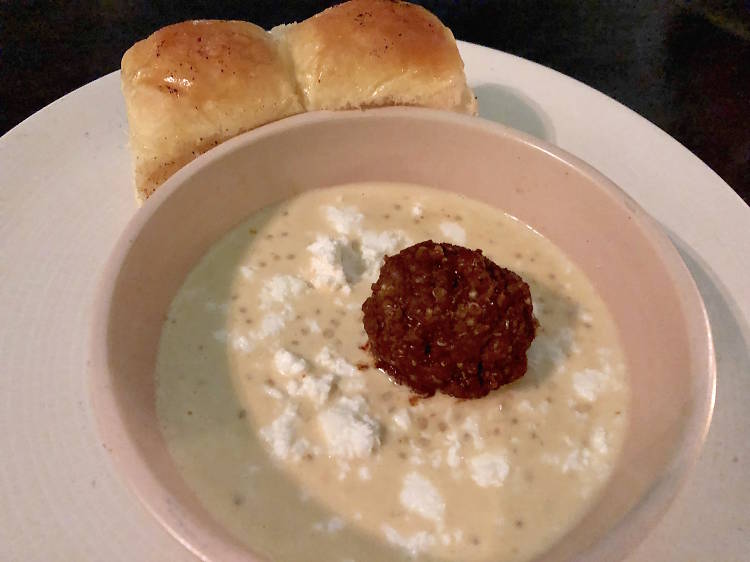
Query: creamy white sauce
[288,435]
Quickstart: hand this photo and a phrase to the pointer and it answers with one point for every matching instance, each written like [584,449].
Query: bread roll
[192,85]
[368,53]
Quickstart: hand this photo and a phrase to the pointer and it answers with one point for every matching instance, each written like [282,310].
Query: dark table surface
[685,66]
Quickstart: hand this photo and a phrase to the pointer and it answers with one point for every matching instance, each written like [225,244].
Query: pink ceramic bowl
[639,274]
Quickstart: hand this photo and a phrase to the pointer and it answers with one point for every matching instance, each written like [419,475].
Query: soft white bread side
[369,53]
[192,85]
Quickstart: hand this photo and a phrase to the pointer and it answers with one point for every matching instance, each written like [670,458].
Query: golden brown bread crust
[192,85]
[366,53]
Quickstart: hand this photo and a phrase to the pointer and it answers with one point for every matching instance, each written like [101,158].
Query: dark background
[685,65]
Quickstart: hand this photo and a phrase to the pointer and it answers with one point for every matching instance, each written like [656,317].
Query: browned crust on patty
[445,318]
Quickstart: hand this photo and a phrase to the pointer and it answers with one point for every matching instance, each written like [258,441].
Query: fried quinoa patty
[443,317]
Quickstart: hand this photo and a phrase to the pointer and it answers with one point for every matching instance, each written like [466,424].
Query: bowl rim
[625,534]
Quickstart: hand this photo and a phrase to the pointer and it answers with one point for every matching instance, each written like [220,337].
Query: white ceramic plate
[65,195]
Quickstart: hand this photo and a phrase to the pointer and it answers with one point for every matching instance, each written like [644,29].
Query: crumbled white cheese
[417,211]
[270,325]
[279,289]
[352,386]
[454,232]
[344,468]
[333,264]
[349,429]
[416,456]
[374,246]
[567,340]
[364,473]
[241,343]
[536,305]
[545,350]
[471,426]
[420,496]
[401,419]
[345,220]
[577,459]
[489,469]
[315,388]
[454,446]
[454,537]
[588,383]
[599,440]
[280,436]
[585,317]
[352,379]
[525,407]
[333,525]
[247,272]
[336,364]
[416,543]
[289,364]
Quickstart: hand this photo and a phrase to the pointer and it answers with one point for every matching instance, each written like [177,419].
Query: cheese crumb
[333,525]
[452,458]
[489,469]
[280,436]
[312,325]
[364,473]
[352,379]
[345,220]
[471,426]
[349,429]
[599,440]
[577,459]
[544,350]
[374,246]
[314,388]
[525,407]
[420,496]
[289,364]
[585,317]
[401,419]
[279,289]
[416,543]
[271,324]
[588,383]
[453,232]
[334,264]
[417,211]
[337,365]
[247,272]
[241,343]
